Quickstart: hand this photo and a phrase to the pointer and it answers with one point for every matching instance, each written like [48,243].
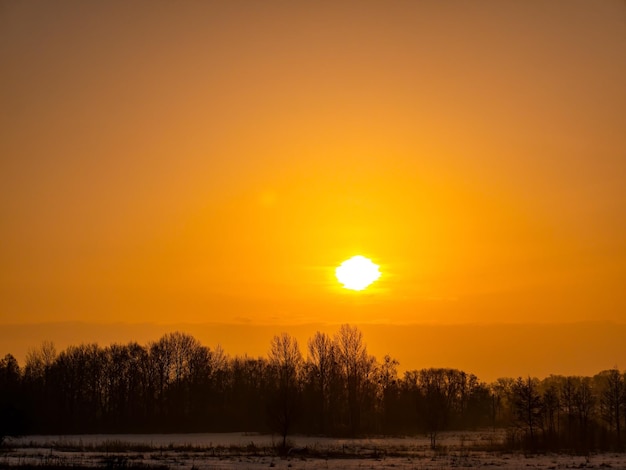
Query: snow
[243,451]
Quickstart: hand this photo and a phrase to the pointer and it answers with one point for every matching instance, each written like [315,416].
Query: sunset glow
[206,166]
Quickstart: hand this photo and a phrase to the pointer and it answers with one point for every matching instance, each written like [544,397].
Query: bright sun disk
[357,273]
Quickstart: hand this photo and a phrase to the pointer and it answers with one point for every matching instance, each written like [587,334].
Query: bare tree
[552,409]
[568,389]
[353,358]
[584,404]
[613,401]
[11,419]
[81,386]
[39,360]
[160,356]
[286,361]
[388,381]
[500,392]
[322,358]
[439,388]
[528,407]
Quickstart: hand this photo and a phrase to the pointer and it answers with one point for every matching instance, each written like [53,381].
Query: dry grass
[254,452]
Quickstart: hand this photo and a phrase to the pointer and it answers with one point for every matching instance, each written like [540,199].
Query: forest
[334,388]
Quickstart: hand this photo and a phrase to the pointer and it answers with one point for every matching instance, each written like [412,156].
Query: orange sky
[212,162]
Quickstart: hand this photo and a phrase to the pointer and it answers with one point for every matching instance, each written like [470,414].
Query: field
[255,451]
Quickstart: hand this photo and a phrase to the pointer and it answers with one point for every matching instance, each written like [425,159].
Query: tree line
[335,388]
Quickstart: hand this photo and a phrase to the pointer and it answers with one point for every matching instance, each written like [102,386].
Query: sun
[357,273]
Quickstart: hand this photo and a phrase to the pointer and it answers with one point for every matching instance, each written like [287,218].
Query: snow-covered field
[254,451]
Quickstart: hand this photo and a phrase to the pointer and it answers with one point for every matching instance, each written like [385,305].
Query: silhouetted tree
[551,413]
[567,392]
[613,401]
[389,390]
[438,390]
[354,361]
[11,412]
[478,405]
[528,407]
[323,366]
[127,392]
[38,388]
[247,389]
[79,380]
[286,361]
[176,384]
[584,404]
[39,361]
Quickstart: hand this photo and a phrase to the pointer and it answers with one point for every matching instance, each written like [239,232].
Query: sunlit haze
[206,166]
